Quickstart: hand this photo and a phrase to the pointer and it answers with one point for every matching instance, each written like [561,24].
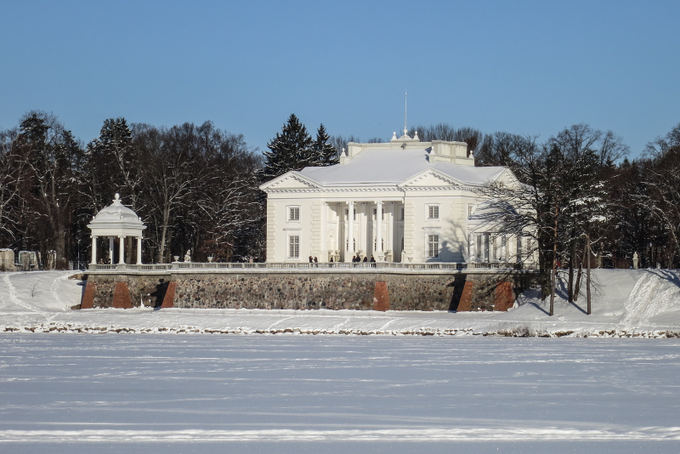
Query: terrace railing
[361,267]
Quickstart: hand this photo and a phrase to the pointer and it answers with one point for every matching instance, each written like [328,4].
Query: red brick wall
[381,298]
[121,296]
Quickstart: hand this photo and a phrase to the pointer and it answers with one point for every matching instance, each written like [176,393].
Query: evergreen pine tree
[112,164]
[291,149]
[50,185]
[326,154]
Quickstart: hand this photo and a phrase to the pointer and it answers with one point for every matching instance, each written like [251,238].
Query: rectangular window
[433,246]
[293,213]
[470,209]
[294,246]
[482,245]
[433,211]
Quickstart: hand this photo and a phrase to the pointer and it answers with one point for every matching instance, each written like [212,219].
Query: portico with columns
[400,201]
[116,222]
[374,228]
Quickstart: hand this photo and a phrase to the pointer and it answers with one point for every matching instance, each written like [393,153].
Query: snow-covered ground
[626,303]
[456,391]
[160,393]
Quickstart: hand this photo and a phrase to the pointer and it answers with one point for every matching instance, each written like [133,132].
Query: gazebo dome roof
[116,219]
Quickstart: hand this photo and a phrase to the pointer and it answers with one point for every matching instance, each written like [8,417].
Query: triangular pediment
[430,178]
[289,181]
[507,178]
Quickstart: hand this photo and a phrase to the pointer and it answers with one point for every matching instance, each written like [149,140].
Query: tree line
[196,188]
[585,203]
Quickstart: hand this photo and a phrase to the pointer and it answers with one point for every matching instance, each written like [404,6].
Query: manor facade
[401,201]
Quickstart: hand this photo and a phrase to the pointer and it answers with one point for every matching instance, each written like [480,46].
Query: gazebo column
[94,250]
[139,250]
[111,250]
[378,226]
[121,250]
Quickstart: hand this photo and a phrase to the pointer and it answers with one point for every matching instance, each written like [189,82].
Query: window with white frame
[432,246]
[470,210]
[433,211]
[294,213]
[482,247]
[294,246]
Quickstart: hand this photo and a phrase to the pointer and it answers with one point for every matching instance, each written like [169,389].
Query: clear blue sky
[527,67]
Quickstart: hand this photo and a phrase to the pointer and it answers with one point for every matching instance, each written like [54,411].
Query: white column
[378,226]
[472,240]
[350,232]
[121,250]
[94,250]
[111,250]
[139,250]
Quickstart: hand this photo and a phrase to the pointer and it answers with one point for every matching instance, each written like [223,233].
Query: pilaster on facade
[409,253]
[316,226]
[272,223]
[379,232]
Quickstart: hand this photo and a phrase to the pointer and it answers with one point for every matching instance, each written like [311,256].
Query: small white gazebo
[116,220]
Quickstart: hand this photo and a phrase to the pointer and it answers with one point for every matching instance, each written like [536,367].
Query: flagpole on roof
[405,111]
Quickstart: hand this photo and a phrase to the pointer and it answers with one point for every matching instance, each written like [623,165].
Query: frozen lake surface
[285,393]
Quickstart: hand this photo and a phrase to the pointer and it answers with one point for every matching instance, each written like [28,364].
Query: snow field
[199,393]
[430,380]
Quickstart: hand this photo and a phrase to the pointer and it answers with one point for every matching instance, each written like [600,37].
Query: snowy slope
[643,303]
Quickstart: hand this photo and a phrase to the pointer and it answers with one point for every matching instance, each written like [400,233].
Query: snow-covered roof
[395,166]
[116,219]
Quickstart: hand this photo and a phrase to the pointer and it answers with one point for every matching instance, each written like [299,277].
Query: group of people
[357,259]
[313,261]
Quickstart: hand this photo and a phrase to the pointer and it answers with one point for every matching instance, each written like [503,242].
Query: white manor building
[402,201]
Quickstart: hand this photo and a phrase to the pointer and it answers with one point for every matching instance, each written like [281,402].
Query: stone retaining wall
[378,291]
